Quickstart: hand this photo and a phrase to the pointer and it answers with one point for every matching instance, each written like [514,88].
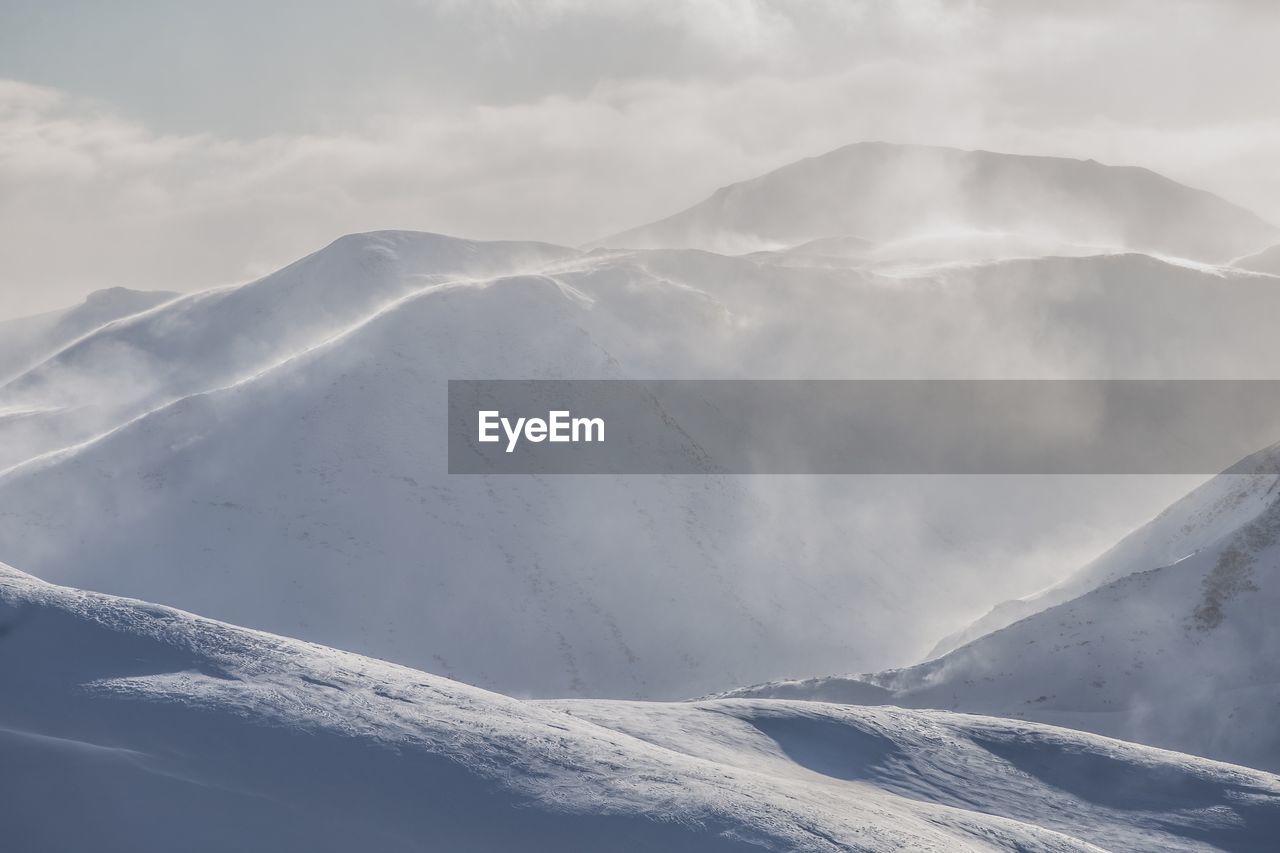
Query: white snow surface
[1169,639]
[25,341]
[127,726]
[272,454]
[1216,509]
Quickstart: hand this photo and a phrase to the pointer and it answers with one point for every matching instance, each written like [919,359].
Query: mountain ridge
[1176,653]
[224,442]
[883,191]
[236,739]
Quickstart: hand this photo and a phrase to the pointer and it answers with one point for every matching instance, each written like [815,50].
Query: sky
[166,144]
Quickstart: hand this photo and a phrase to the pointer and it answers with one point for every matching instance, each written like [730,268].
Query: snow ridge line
[378,313]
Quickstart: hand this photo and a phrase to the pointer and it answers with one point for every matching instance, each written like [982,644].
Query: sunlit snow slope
[131,727]
[273,454]
[28,340]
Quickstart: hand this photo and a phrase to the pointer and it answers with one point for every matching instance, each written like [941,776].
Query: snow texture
[132,727]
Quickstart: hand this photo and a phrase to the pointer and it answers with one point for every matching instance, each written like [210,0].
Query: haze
[180,146]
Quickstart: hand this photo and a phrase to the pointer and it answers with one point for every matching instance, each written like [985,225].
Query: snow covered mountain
[1218,508]
[273,454]
[1169,639]
[1268,261]
[131,727]
[27,340]
[885,193]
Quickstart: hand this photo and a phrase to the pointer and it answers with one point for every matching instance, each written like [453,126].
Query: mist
[264,265]
[288,437]
[175,164]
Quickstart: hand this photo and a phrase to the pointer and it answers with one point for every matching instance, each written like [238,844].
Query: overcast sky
[172,144]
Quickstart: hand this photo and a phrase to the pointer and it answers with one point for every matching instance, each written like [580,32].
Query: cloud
[570,119]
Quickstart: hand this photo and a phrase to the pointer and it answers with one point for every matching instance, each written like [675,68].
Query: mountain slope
[26,341]
[883,192]
[1219,507]
[1180,654]
[300,454]
[217,337]
[233,739]
[1267,261]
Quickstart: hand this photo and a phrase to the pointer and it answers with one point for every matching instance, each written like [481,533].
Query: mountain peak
[888,192]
